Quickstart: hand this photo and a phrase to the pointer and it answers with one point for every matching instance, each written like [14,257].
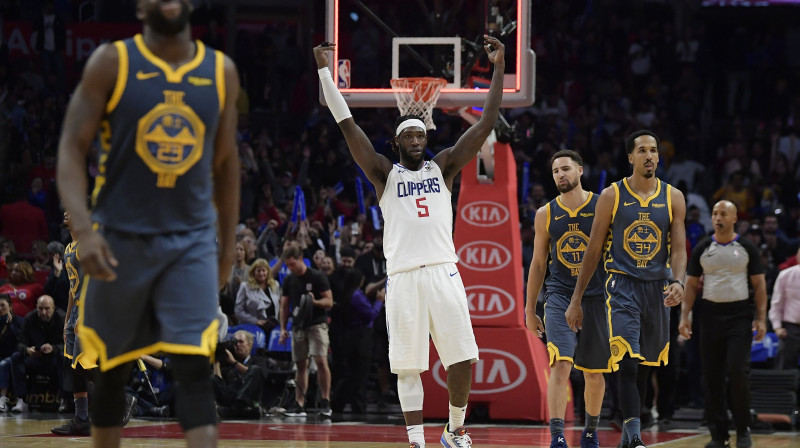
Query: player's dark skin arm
[594,250]
[453,159]
[82,120]
[226,174]
[376,166]
[675,292]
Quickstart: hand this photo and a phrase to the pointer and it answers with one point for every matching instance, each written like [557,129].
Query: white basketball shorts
[429,300]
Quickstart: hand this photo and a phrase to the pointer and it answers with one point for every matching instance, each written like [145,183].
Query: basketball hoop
[418,96]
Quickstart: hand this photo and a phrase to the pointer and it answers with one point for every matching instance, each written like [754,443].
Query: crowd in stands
[723,100]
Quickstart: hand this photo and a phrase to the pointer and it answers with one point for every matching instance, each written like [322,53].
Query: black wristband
[678,282]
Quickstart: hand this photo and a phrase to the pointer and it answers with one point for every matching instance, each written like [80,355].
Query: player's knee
[593,379]
[194,398]
[108,404]
[409,390]
[560,370]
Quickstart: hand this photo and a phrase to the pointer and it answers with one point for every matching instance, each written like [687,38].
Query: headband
[411,122]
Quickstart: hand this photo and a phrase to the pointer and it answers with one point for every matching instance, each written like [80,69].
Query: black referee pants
[725,353]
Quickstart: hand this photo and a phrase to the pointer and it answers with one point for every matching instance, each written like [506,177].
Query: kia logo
[496,371]
[484,213]
[484,256]
[488,302]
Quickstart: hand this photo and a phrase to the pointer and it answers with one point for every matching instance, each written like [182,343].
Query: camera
[228,344]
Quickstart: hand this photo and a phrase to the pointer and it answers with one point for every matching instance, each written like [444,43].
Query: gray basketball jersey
[157,142]
[639,242]
[569,235]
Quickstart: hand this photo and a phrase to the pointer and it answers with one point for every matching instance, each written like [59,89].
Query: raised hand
[320,53]
[495,50]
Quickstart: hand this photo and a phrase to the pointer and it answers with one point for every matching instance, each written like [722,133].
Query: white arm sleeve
[333,97]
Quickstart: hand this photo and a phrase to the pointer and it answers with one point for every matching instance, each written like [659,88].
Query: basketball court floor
[33,430]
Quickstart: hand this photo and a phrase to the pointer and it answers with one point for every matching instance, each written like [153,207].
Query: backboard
[378,40]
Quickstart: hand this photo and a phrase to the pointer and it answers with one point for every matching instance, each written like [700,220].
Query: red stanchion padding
[488,245]
[509,381]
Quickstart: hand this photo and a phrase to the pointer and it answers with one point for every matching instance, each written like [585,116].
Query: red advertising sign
[510,380]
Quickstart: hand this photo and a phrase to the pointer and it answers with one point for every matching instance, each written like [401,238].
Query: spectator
[22,223]
[40,260]
[158,401]
[258,298]
[7,254]
[238,385]
[10,332]
[310,338]
[51,40]
[736,192]
[40,349]
[239,273]
[22,287]
[784,313]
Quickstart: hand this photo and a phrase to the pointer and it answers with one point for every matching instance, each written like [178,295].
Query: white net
[418,96]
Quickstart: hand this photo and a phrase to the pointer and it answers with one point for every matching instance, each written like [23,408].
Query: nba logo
[344,73]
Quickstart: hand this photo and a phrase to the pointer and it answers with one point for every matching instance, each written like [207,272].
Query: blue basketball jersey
[569,235]
[157,142]
[639,241]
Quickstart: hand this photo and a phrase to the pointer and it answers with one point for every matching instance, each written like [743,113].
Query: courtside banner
[509,381]
[488,243]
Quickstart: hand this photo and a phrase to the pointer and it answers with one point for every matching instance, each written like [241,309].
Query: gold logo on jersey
[169,138]
[642,240]
[658,205]
[72,273]
[570,248]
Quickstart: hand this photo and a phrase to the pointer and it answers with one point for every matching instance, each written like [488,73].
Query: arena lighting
[445,90]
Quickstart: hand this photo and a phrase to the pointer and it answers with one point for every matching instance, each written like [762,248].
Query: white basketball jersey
[418,216]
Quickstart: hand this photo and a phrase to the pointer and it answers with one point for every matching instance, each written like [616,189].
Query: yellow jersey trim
[616,201]
[643,202]
[669,201]
[219,69]
[173,76]
[547,210]
[554,355]
[574,213]
[94,347]
[122,76]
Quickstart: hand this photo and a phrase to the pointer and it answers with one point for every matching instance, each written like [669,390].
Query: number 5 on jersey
[422,209]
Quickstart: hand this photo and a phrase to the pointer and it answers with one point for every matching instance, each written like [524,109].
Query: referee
[725,314]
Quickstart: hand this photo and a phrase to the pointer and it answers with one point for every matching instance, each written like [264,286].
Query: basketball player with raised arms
[562,229]
[424,292]
[639,221]
[159,241]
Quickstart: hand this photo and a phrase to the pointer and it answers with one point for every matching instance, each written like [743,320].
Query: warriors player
[562,227]
[160,238]
[424,293]
[641,219]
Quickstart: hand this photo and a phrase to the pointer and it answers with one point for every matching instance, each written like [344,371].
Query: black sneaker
[743,439]
[74,427]
[325,408]
[636,443]
[716,443]
[295,410]
[130,403]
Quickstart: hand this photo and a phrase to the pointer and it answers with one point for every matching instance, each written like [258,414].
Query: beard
[649,174]
[568,187]
[170,27]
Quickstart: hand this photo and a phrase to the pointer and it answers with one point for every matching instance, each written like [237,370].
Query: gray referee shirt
[727,268]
